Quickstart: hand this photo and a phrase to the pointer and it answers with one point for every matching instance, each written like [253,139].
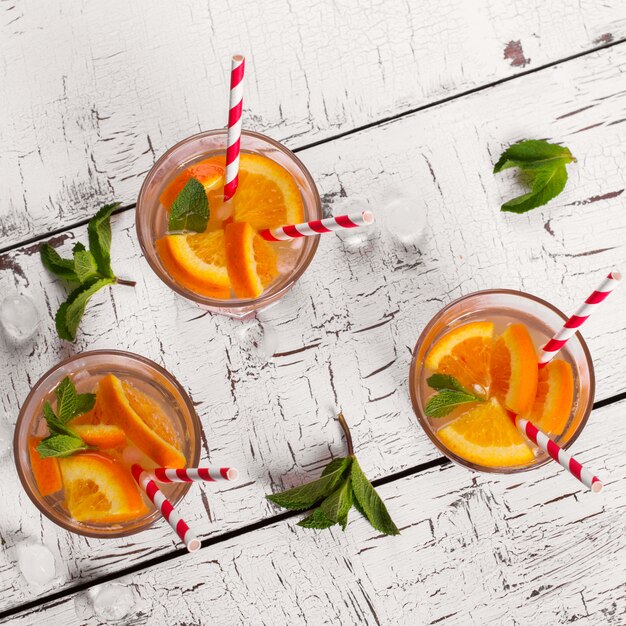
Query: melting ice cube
[19,317]
[403,216]
[113,602]
[36,563]
[258,340]
[353,237]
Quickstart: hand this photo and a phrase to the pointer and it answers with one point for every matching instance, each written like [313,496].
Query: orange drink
[82,427]
[476,365]
[221,262]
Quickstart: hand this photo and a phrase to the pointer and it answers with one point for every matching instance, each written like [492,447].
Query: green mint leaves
[543,164]
[89,269]
[62,440]
[190,209]
[451,394]
[341,486]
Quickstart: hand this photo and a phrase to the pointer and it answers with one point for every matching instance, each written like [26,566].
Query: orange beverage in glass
[485,346]
[141,415]
[229,268]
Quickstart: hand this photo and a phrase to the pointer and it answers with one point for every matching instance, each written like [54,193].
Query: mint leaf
[544,165]
[444,381]
[335,464]
[99,231]
[446,401]
[85,265]
[60,445]
[53,262]
[84,403]
[190,209]
[71,311]
[67,399]
[317,519]
[373,507]
[339,503]
[307,495]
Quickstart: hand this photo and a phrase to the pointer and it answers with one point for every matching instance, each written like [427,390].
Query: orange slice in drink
[555,396]
[250,260]
[514,369]
[101,436]
[209,172]
[267,195]
[99,489]
[197,262]
[486,435]
[114,407]
[465,353]
[46,471]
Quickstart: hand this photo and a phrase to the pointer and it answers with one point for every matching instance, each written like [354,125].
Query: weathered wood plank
[526,549]
[346,330]
[92,94]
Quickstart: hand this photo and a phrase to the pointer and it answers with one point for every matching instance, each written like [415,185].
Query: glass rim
[419,412]
[155,515]
[233,304]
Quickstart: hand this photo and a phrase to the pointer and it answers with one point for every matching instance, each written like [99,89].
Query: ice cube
[113,602]
[19,318]
[403,216]
[353,237]
[36,562]
[259,341]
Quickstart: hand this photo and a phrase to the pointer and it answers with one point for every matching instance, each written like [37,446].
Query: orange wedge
[197,262]
[114,407]
[514,369]
[485,435]
[102,436]
[465,353]
[250,260]
[267,195]
[555,396]
[46,471]
[209,172]
[99,489]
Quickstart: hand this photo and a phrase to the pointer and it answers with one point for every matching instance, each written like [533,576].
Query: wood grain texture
[525,549]
[346,330]
[93,93]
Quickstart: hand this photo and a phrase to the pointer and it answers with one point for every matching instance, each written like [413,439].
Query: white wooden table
[419,96]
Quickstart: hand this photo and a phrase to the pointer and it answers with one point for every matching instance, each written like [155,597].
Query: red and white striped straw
[233,141]
[194,474]
[165,508]
[559,455]
[576,320]
[317,227]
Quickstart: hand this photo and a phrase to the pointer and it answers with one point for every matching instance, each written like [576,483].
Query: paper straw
[165,508]
[194,474]
[558,454]
[318,227]
[233,141]
[576,320]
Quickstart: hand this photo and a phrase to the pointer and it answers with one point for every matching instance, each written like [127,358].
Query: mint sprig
[190,209]
[63,441]
[543,164]
[451,394]
[341,486]
[89,269]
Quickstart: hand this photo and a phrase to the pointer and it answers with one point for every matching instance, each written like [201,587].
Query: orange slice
[555,396]
[46,471]
[267,195]
[514,369]
[465,353]
[99,489]
[114,407]
[485,435]
[102,436]
[209,172]
[250,260]
[197,262]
